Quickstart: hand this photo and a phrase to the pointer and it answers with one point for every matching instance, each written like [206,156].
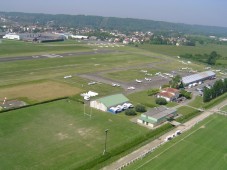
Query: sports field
[39,91]
[57,135]
[203,147]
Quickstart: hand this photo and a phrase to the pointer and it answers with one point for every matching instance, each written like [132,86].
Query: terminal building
[195,78]
[157,116]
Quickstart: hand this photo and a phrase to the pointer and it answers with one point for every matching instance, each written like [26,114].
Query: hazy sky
[203,12]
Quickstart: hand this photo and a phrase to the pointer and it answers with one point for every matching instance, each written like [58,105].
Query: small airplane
[138,81]
[92,83]
[69,76]
[131,88]
[148,79]
[115,85]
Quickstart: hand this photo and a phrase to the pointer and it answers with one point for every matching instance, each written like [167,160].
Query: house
[105,103]
[169,94]
[157,116]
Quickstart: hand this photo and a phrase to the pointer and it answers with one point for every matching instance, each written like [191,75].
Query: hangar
[195,78]
[107,102]
[156,116]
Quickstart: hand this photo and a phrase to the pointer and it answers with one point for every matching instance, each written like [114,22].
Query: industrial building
[107,102]
[157,116]
[35,37]
[195,78]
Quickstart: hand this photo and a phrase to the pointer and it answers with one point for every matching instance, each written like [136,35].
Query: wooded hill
[113,23]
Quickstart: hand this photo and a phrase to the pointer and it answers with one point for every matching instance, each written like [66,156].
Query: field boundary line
[172,145]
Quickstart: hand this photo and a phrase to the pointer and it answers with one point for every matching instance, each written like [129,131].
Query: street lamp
[106,131]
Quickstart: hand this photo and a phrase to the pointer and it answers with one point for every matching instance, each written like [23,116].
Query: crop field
[39,91]
[58,135]
[203,147]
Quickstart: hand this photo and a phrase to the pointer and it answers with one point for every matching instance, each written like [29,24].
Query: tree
[186,94]
[161,101]
[130,112]
[206,95]
[140,108]
[212,58]
[175,82]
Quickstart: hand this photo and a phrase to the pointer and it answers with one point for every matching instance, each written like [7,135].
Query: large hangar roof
[113,100]
[197,77]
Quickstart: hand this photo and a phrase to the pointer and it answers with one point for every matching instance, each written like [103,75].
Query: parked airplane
[148,79]
[131,88]
[115,85]
[138,81]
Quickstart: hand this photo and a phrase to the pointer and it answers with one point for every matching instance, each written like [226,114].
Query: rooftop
[159,112]
[113,100]
[197,77]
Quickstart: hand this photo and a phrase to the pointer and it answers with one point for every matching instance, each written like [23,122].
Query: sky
[200,12]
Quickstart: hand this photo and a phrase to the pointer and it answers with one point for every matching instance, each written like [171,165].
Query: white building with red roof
[169,94]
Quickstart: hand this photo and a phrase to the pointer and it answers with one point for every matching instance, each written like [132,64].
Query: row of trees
[205,58]
[219,88]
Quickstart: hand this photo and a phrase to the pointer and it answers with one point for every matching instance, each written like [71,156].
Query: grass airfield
[57,135]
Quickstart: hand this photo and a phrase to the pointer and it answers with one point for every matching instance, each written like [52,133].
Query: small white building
[12,36]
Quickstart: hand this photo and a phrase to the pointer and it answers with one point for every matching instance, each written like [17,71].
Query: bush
[161,101]
[152,92]
[130,112]
[186,94]
[140,108]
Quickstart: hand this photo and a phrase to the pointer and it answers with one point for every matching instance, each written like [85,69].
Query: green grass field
[224,108]
[172,50]
[57,135]
[130,74]
[203,147]
[20,48]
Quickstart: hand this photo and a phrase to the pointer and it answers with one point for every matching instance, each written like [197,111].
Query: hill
[112,23]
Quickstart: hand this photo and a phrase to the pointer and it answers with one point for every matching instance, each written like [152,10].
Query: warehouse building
[157,116]
[35,37]
[107,102]
[195,78]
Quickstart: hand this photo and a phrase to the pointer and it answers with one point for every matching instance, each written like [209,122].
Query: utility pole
[106,131]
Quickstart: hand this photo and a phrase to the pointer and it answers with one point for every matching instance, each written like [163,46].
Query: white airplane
[148,79]
[138,81]
[131,88]
[70,76]
[115,85]
[92,83]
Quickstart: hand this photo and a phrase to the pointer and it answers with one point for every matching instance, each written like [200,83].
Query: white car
[131,88]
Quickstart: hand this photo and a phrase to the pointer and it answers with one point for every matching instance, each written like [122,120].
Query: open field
[39,91]
[224,108]
[130,75]
[203,147]
[148,101]
[20,48]
[57,135]
[172,50]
